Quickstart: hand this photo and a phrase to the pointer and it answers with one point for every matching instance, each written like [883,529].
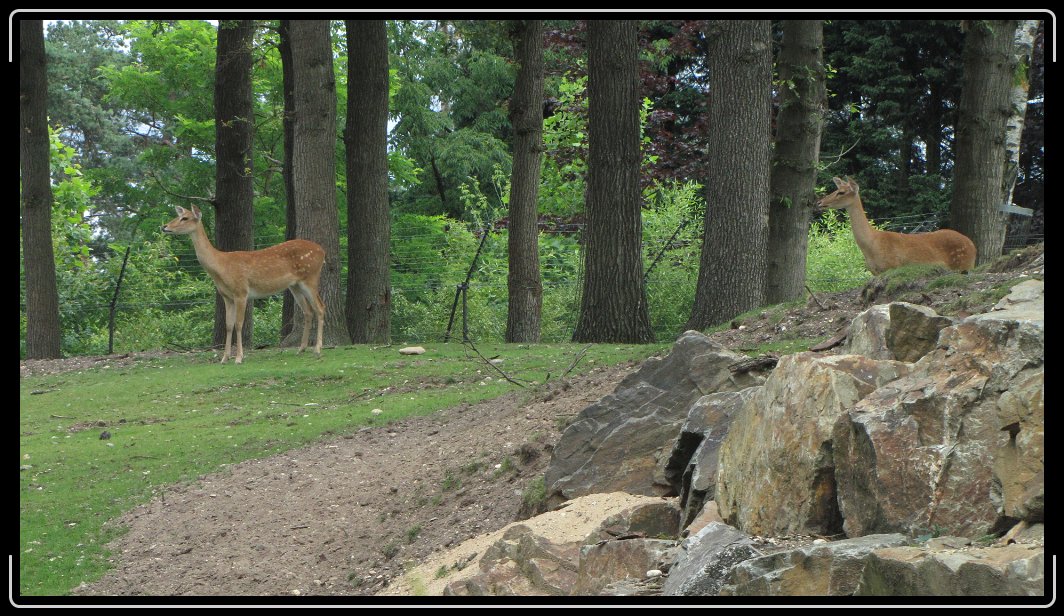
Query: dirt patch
[342,517]
[349,515]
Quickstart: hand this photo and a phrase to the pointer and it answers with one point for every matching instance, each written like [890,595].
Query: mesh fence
[428,265]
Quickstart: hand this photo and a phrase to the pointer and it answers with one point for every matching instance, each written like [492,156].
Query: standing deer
[242,274]
[884,250]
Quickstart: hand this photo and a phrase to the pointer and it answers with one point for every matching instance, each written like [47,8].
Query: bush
[835,262]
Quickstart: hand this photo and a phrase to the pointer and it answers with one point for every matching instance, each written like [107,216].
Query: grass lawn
[171,420]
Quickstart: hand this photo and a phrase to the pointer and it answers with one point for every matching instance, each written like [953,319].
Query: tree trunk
[526,115]
[1022,50]
[314,165]
[234,131]
[989,67]
[369,291]
[284,46]
[798,127]
[43,332]
[732,270]
[614,303]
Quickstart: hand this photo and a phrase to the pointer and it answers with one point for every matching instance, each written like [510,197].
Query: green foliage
[672,229]
[565,144]
[835,262]
[535,493]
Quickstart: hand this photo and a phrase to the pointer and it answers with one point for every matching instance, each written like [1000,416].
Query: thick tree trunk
[288,307]
[234,132]
[614,303]
[369,291]
[43,332]
[526,115]
[732,271]
[314,165]
[798,128]
[989,67]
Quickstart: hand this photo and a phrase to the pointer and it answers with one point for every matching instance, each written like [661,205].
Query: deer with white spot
[253,274]
[885,250]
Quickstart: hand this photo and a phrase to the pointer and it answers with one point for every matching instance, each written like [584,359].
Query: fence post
[118,287]
[463,288]
[664,247]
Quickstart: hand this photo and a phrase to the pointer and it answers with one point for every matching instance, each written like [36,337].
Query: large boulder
[692,465]
[829,569]
[1000,571]
[621,441]
[776,466]
[956,445]
[610,562]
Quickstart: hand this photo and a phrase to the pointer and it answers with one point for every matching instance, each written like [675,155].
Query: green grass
[172,420]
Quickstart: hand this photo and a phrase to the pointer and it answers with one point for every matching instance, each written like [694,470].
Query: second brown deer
[242,275]
[885,250]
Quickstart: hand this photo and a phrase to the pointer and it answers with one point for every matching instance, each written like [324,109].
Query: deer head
[186,222]
[847,193]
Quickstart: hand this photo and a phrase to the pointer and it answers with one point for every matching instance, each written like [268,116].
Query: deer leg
[297,294]
[241,309]
[318,308]
[230,319]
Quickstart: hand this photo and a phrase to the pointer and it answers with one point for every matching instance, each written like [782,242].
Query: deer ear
[838,182]
[853,184]
[180,210]
[197,213]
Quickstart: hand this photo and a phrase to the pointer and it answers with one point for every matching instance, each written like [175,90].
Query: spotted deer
[252,274]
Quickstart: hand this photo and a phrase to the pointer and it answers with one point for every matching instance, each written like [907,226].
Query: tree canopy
[130,104]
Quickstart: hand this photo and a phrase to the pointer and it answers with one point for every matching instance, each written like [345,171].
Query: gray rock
[832,569]
[705,560]
[618,443]
[1014,570]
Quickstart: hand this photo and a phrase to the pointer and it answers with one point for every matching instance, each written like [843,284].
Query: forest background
[132,134]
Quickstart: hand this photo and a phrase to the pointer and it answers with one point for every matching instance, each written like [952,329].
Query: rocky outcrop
[926,452]
[777,468]
[622,441]
[939,431]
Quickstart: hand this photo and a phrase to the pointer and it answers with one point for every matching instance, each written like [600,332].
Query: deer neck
[206,253]
[862,229]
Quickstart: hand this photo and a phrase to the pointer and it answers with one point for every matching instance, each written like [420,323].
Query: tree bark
[314,165]
[526,115]
[798,126]
[43,332]
[989,67]
[288,305]
[732,269]
[1022,49]
[234,130]
[614,303]
[369,292]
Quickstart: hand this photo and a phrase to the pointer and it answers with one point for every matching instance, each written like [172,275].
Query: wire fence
[428,265]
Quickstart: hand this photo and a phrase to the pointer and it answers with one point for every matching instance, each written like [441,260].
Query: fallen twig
[576,359]
[813,295]
[832,342]
[763,362]
[497,369]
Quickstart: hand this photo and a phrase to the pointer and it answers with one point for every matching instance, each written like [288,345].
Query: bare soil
[346,515]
